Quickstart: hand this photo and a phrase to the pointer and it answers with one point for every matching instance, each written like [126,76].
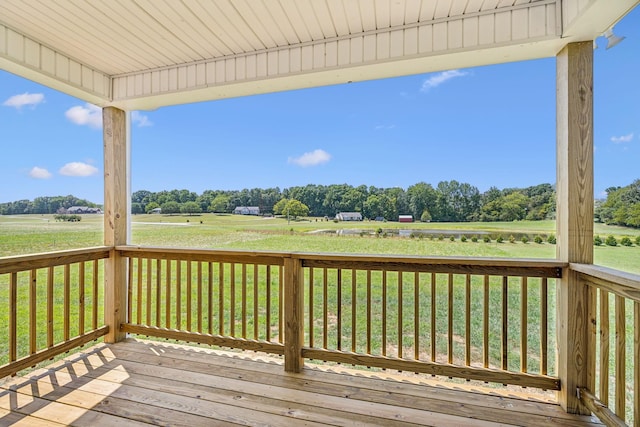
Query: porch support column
[116,193]
[574,223]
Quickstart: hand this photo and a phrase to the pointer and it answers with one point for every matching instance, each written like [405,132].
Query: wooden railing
[482,319]
[51,303]
[230,299]
[614,344]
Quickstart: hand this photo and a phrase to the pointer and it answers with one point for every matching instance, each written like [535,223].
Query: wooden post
[293,315]
[115,219]
[574,223]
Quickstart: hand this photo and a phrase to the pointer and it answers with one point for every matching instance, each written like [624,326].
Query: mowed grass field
[24,234]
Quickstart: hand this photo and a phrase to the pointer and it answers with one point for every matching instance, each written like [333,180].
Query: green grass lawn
[24,234]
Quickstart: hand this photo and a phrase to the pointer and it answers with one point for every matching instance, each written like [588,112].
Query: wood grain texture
[574,223]
[294,315]
[116,195]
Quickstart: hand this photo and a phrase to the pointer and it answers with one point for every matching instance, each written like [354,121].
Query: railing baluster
[311,316]
[199,313]
[325,308]
[148,285]
[505,330]
[167,320]
[158,289]
[139,295]
[369,312]
[256,322]
[244,300]
[485,323]
[210,297]
[221,298]
[416,316]
[267,322]
[130,269]
[67,302]
[95,301]
[189,311]
[81,308]
[592,326]
[400,309]
[450,319]
[354,317]
[544,326]
[50,300]
[434,332]
[523,324]
[621,356]
[280,302]
[467,320]
[339,311]
[33,275]
[384,312]
[232,291]
[604,347]
[13,320]
[178,294]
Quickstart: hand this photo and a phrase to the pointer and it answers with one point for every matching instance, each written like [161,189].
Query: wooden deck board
[156,383]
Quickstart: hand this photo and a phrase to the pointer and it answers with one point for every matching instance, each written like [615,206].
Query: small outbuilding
[405,218]
[247,210]
[349,216]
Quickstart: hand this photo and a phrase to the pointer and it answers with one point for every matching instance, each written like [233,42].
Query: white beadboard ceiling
[142,54]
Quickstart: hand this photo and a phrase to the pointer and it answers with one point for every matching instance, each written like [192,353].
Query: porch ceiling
[143,54]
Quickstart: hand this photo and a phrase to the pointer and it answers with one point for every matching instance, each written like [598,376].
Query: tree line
[448,201]
[44,205]
[622,206]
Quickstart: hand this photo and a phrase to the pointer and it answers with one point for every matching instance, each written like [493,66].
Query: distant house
[247,210]
[83,210]
[349,216]
[405,218]
[155,211]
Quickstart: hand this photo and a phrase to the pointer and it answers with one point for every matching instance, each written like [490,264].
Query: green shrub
[474,239]
[525,239]
[441,237]
[538,239]
[512,239]
[500,239]
[611,241]
[638,241]
[626,241]
[463,238]
[597,240]
[452,238]
[551,239]
[486,239]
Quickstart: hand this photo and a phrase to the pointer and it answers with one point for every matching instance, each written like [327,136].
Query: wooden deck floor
[149,383]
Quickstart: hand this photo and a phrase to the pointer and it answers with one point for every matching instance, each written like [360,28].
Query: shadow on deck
[155,383]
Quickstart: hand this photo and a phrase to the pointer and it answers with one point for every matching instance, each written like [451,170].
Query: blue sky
[488,126]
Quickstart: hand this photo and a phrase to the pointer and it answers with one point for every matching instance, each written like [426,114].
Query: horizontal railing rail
[614,343]
[473,318]
[52,303]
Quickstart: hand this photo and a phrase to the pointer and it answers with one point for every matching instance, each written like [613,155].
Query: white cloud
[39,173]
[88,114]
[140,119]
[19,101]
[315,157]
[78,169]
[384,127]
[438,79]
[623,138]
